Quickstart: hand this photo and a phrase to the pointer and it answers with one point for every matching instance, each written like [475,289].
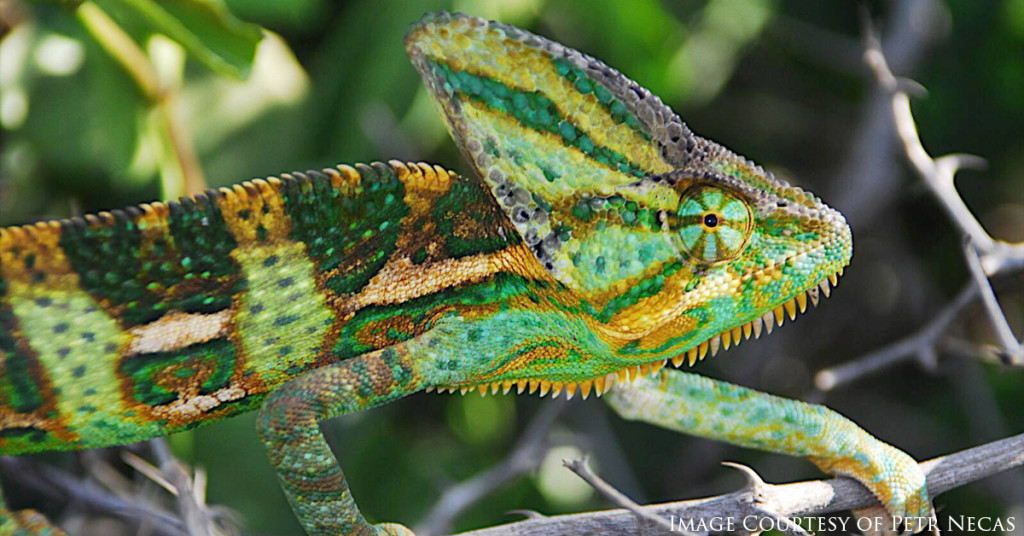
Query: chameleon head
[748,249]
[668,245]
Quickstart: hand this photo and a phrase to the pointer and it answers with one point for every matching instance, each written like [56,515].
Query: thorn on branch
[794,499]
[986,257]
[528,514]
[755,485]
[1012,351]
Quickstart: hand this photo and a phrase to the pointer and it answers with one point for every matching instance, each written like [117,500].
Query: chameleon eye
[713,224]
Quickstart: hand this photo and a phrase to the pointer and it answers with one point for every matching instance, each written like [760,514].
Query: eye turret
[713,224]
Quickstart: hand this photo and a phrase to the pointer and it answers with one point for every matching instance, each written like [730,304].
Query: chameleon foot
[894,478]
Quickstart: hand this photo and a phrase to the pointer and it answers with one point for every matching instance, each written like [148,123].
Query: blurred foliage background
[311,83]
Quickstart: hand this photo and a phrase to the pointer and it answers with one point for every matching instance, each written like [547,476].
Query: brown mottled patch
[381,379]
[376,333]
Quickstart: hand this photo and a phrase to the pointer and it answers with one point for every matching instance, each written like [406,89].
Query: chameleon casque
[598,241]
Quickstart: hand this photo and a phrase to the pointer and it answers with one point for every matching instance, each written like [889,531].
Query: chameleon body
[599,241]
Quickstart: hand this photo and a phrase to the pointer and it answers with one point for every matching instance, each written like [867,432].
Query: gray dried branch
[939,174]
[992,308]
[792,500]
[525,457]
[190,493]
[920,344]
[88,495]
[609,492]
[986,257]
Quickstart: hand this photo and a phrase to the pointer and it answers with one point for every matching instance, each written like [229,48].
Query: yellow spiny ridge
[31,254]
[254,211]
[721,341]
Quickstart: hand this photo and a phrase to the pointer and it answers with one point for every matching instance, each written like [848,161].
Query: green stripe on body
[190,270]
[19,389]
[421,312]
[469,199]
[159,378]
[209,274]
[584,84]
[533,110]
[354,233]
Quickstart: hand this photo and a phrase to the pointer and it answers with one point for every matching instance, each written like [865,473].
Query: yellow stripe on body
[282,319]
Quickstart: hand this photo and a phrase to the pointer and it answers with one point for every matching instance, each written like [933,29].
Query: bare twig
[609,492]
[190,499]
[105,491]
[60,485]
[869,176]
[995,313]
[792,500]
[525,457]
[939,174]
[920,344]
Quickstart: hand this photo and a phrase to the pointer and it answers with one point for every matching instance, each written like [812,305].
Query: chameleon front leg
[289,427]
[700,406]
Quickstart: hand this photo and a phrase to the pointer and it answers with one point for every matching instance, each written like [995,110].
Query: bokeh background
[781,82]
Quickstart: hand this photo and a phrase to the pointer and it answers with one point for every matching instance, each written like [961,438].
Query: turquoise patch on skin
[711,198]
[731,238]
[690,207]
[597,270]
[690,235]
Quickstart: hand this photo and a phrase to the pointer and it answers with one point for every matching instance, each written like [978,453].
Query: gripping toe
[895,479]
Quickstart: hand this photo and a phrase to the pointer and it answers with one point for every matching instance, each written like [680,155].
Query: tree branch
[791,500]
[609,492]
[525,456]
[920,344]
[939,174]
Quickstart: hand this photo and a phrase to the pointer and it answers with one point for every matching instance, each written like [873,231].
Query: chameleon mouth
[722,341]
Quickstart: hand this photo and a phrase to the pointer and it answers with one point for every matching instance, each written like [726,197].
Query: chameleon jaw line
[765,323]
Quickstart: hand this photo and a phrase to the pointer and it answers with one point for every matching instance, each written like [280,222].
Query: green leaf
[205,28]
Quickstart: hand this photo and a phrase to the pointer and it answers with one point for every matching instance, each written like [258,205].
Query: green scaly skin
[601,240]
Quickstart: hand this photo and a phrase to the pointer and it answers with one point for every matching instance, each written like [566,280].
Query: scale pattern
[599,241]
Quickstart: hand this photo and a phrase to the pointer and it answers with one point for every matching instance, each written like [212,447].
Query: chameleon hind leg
[288,425]
[700,406]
